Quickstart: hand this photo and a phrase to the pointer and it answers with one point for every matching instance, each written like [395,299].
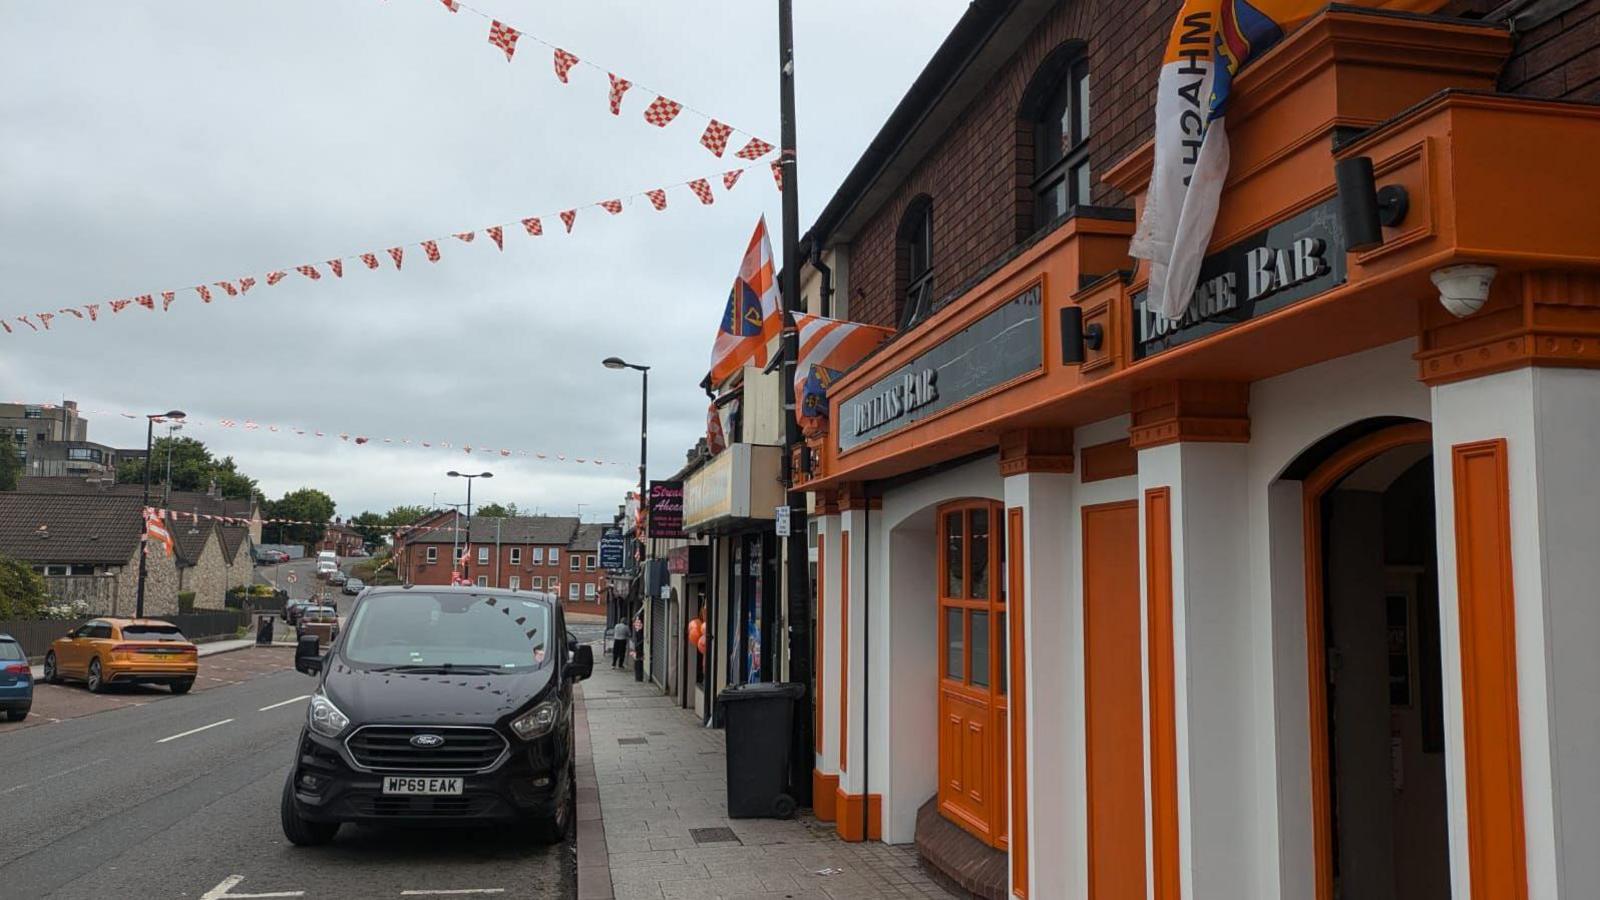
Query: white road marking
[196,731]
[18,787]
[284,703]
[220,892]
[452,893]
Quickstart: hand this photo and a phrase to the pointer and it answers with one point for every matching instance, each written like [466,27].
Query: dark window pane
[980,648]
[1004,662]
[980,554]
[1080,177]
[144,632]
[1083,101]
[954,642]
[953,563]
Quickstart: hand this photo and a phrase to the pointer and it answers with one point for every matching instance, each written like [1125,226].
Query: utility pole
[797,552]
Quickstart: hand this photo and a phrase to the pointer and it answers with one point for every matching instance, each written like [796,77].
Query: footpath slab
[652,817]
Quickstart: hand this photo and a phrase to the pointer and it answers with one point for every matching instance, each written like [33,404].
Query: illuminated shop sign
[1284,264]
[1005,344]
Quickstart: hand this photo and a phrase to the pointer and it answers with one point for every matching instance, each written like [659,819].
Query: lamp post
[149,444]
[613,362]
[454,474]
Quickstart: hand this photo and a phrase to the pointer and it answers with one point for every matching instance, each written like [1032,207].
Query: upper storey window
[916,263]
[1060,114]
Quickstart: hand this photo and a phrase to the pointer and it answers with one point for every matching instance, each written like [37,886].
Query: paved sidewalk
[641,806]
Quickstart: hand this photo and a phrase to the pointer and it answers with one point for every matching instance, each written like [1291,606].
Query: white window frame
[483,556]
[515,583]
[433,555]
[536,583]
[577,563]
[457,553]
[483,581]
[553,586]
[538,556]
[516,556]
[572,590]
[555,556]
[589,591]
[588,562]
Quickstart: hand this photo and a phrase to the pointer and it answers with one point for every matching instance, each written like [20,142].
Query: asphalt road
[179,798]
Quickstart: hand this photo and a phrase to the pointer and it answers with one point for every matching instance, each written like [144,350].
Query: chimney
[211,490]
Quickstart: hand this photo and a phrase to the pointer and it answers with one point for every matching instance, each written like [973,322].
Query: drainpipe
[866,669]
[826,286]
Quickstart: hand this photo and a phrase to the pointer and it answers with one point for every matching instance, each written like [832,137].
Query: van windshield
[415,628]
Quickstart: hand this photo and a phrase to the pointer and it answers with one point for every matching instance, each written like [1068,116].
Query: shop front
[1287,597]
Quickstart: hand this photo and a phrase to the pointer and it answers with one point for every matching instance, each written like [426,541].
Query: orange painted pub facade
[1292,597]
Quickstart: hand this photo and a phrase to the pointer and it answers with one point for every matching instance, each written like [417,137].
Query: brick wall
[978,177]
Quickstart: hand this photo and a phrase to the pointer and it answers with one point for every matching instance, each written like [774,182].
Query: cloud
[157,145]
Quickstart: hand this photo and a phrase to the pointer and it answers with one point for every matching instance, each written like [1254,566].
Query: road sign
[611,549]
[782,513]
[291,578]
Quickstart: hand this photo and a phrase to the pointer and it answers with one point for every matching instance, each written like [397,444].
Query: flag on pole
[1211,42]
[155,530]
[752,317]
[828,349]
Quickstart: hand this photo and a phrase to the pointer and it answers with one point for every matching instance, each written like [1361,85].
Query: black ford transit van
[438,706]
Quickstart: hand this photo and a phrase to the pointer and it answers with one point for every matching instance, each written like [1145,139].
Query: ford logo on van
[427,741]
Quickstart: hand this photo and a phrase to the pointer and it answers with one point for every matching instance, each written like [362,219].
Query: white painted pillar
[1058,862]
[827,758]
[850,741]
[1550,421]
[1214,691]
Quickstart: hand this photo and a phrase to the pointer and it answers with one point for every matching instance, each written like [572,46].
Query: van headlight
[324,718]
[538,721]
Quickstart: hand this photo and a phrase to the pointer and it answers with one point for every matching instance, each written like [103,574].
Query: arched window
[915,258]
[1057,105]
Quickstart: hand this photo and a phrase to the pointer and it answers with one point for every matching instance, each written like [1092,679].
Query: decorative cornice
[827,503]
[1190,411]
[1545,318]
[1027,450]
[853,495]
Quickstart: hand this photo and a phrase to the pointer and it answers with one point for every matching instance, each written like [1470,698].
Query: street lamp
[454,474]
[613,362]
[149,444]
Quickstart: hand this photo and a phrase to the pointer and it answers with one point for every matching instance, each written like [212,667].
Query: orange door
[1114,704]
[972,669]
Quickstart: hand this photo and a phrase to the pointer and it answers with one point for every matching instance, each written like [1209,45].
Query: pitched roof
[41,528]
[232,537]
[190,539]
[182,501]
[588,536]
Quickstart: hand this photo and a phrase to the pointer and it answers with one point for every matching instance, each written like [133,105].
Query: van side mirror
[308,655]
[581,665]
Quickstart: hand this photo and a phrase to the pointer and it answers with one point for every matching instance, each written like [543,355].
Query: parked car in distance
[337,577]
[322,621]
[124,651]
[326,567]
[291,613]
[16,680]
[270,557]
[353,586]
[387,742]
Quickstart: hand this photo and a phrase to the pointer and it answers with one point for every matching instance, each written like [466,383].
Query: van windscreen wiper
[441,669]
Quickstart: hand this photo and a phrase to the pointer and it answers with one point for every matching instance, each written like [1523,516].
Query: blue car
[16,680]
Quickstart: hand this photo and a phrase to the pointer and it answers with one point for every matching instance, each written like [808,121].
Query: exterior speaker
[1071,335]
[1364,210]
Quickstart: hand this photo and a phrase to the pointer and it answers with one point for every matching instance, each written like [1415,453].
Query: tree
[496,510]
[10,465]
[23,594]
[193,469]
[405,515]
[368,523]
[304,505]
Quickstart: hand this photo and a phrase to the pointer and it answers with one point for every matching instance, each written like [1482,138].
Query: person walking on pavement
[619,643]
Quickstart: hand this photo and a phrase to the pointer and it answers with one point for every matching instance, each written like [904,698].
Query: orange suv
[124,651]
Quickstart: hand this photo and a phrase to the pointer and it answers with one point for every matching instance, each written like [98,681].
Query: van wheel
[95,683]
[16,715]
[299,831]
[182,687]
[52,674]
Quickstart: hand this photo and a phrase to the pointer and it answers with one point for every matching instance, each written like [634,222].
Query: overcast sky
[158,144]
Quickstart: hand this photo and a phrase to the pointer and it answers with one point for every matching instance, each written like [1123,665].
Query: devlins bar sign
[1005,344]
[1266,271]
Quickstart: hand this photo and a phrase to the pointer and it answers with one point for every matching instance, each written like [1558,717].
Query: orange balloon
[701,643]
[694,632]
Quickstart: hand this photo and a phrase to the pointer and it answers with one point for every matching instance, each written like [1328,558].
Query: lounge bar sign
[1292,260]
[1005,344]
[666,509]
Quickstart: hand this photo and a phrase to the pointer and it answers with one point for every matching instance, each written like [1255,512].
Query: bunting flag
[662,111]
[564,62]
[715,138]
[155,530]
[716,442]
[70,311]
[828,349]
[777,174]
[619,86]
[752,317]
[451,5]
[504,36]
[658,197]
[93,309]
[45,319]
[754,150]
[146,301]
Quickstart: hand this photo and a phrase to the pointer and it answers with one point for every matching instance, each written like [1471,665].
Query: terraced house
[1288,595]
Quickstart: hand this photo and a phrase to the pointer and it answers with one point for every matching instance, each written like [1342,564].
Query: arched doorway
[973,691]
[1375,674]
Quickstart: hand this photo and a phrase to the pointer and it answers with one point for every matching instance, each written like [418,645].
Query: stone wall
[208,577]
[161,586]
